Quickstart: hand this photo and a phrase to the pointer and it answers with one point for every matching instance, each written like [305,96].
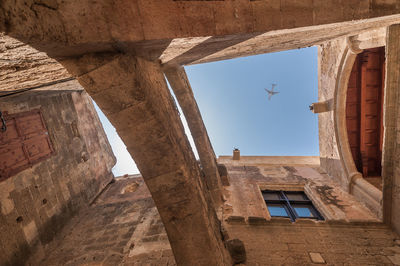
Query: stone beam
[181,86]
[82,26]
[133,94]
[390,159]
[186,51]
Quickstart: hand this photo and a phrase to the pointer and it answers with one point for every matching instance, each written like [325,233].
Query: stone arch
[357,185]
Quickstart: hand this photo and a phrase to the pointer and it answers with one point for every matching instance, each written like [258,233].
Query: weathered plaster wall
[330,55]
[49,193]
[350,234]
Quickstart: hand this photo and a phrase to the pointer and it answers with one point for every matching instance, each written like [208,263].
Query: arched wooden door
[364,111]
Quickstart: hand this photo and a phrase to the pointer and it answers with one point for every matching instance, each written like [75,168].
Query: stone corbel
[321,107]
[353,44]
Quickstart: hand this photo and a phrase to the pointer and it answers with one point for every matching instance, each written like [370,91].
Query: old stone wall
[349,235]
[391,158]
[294,244]
[330,55]
[37,202]
[396,180]
[133,94]
[115,25]
[248,177]
[22,66]
[122,227]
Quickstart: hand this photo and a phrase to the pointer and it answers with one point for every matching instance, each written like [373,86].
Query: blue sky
[237,113]
[236,110]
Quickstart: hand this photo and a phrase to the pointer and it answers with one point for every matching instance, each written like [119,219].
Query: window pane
[277,210]
[303,211]
[271,195]
[296,196]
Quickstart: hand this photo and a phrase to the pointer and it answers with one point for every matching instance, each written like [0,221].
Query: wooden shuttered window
[364,110]
[24,143]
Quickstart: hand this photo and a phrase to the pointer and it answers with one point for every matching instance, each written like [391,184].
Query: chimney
[236,154]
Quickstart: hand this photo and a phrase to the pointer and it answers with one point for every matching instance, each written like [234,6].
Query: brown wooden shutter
[364,110]
[24,143]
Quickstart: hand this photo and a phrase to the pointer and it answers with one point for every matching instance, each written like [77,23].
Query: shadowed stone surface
[179,82]
[115,25]
[122,227]
[22,66]
[237,250]
[390,167]
[36,203]
[133,93]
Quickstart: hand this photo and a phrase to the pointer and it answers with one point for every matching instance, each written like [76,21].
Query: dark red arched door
[364,111]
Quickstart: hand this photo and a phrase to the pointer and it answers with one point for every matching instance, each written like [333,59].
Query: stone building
[55,160]
[341,208]
[54,155]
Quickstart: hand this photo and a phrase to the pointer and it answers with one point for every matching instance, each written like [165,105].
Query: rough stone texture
[348,236]
[329,60]
[395,259]
[223,173]
[117,25]
[391,158]
[122,227]
[237,250]
[330,55]
[133,93]
[112,232]
[37,202]
[316,258]
[248,177]
[22,66]
[290,244]
[197,50]
[104,36]
[179,82]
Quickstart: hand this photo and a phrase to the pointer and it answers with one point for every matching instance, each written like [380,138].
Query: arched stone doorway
[359,142]
[364,113]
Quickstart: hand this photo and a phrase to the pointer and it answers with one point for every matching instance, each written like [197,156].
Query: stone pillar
[390,170]
[133,94]
[181,86]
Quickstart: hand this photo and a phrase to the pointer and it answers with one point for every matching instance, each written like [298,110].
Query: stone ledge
[236,220]
[259,221]
[254,220]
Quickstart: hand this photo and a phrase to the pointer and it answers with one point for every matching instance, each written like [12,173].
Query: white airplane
[271,92]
